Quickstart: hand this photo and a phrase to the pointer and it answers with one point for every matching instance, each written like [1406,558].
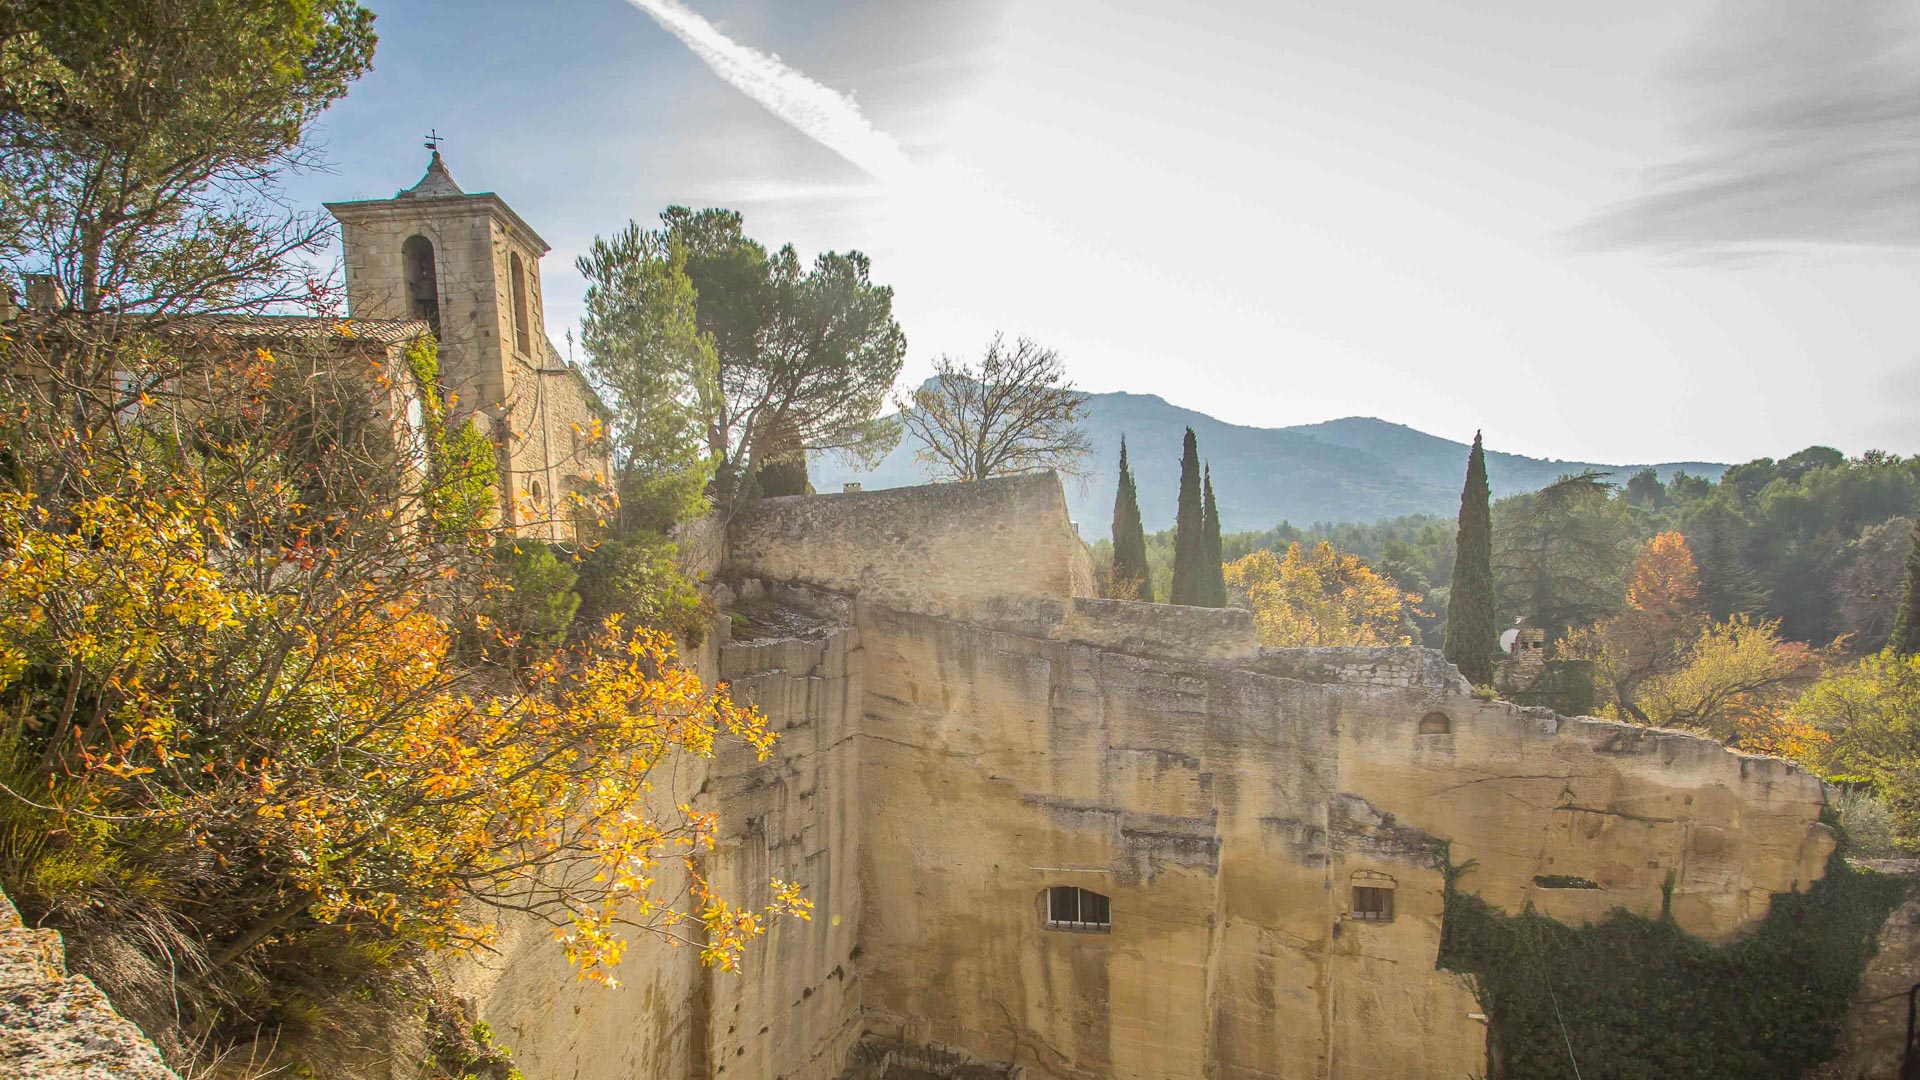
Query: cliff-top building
[468,268]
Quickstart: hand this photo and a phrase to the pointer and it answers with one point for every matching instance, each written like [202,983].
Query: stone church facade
[467,267]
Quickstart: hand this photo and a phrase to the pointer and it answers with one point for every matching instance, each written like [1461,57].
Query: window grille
[1070,907]
[1372,904]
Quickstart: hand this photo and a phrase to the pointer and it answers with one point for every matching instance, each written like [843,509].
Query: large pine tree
[1472,636]
[1212,573]
[1130,580]
[1189,531]
[1906,622]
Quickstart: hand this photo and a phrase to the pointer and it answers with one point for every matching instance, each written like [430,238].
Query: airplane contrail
[821,113]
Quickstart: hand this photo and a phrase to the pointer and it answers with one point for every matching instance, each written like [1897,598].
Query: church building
[468,267]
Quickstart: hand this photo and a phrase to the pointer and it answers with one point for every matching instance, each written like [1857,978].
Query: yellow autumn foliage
[1319,596]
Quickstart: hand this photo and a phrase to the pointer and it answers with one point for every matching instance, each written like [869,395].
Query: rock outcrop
[56,1026]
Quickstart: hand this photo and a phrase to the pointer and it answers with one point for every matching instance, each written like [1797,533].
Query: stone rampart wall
[982,551]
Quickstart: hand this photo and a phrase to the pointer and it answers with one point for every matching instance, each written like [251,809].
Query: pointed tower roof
[446,198]
[437,182]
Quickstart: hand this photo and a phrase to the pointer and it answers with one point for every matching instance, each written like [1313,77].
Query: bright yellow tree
[1321,596]
[1735,682]
[235,702]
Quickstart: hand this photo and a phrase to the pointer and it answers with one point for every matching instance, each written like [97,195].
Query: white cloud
[821,113]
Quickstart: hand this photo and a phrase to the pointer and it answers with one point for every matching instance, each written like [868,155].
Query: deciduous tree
[1015,413]
[1663,614]
[1868,714]
[1317,597]
[1733,683]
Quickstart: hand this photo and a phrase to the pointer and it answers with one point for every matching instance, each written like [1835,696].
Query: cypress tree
[1189,541]
[1472,639]
[1211,572]
[1129,539]
[1906,622]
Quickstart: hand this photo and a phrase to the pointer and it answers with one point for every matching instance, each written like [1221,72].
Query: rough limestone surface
[55,1026]
[963,730]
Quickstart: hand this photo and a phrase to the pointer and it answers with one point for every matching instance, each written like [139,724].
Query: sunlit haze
[1538,219]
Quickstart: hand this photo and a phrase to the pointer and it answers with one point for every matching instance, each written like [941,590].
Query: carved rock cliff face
[55,1026]
[965,733]
[1252,836]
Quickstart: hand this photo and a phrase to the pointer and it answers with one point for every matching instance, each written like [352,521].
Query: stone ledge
[55,1026]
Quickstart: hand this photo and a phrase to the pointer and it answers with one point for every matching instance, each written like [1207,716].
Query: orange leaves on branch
[329,737]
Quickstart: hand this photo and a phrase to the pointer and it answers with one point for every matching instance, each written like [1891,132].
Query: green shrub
[637,578]
[533,596]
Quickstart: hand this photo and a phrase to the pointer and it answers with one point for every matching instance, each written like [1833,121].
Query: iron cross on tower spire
[433,139]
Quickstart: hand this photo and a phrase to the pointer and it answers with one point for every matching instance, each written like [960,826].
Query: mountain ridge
[1350,469]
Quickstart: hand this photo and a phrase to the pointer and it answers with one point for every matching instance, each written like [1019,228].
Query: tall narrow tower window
[423,286]
[522,333]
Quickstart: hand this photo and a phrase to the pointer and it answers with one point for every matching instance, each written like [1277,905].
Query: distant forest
[1815,540]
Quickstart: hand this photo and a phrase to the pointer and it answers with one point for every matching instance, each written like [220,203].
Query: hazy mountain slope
[1355,469]
[1430,459]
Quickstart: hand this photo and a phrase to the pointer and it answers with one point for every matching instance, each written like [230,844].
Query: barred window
[1070,907]
[1372,904]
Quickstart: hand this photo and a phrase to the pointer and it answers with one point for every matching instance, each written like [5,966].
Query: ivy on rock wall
[1631,996]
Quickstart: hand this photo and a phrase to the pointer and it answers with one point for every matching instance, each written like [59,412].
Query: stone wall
[1228,799]
[794,1008]
[1228,814]
[55,1026]
[984,551]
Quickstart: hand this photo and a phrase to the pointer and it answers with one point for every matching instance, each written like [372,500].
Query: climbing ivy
[462,465]
[1631,996]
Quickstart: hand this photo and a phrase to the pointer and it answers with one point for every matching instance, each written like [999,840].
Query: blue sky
[1638,231]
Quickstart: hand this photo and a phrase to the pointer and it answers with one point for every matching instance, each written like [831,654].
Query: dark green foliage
[1561,554]
[1645,489]
[1726,584]
[636,578]
[1130,579]
[1636,997]
[1472,636]
[1189,531]
[1905,639]
[143,144]
[787,476]
[533,597]
[807,353]
[1212,573]
[1565,686]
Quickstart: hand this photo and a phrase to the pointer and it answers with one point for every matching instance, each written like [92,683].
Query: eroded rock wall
[1229,813]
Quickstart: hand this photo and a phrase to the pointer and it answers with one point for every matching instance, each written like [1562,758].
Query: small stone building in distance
[469,268]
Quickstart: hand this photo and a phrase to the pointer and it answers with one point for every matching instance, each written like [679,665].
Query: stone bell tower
[469,267]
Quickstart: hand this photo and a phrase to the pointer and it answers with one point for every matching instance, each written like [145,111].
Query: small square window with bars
[1070,907]
[1372,904]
